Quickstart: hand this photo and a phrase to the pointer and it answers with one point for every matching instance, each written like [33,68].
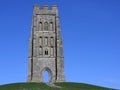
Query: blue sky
[91,34]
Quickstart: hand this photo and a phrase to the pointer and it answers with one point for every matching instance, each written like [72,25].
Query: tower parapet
[46,10]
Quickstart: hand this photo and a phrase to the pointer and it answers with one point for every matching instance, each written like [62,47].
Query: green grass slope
[42,86]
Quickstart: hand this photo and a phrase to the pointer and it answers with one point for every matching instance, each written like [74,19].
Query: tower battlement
[46,9]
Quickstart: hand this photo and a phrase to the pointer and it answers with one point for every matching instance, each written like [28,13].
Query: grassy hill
[43,86]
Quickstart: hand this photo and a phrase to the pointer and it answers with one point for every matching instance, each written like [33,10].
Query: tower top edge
[46,7]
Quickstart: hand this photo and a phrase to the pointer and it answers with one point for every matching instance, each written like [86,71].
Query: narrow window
[40,26]
[45,26]
[52,51]
[46,41]
[40,40]
[51,26]
[46,52]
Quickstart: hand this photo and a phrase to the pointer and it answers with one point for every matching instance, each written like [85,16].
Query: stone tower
[46,50]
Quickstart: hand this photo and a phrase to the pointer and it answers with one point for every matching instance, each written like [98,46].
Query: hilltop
[43,86]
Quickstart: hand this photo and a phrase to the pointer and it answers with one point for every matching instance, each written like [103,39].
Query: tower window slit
[45,26]
[51,26]
[52,51]
[40,26]
[40,41]
[46,52]
[46,40]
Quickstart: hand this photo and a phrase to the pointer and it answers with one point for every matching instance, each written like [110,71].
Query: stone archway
[49,75]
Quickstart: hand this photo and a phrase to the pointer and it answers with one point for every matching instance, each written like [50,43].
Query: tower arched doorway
[47,75]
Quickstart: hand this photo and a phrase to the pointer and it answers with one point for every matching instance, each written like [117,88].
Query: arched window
[45,26]
[40,26]
[40,40]
[51,26]
[52,51]
[46,41]
[46,52]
